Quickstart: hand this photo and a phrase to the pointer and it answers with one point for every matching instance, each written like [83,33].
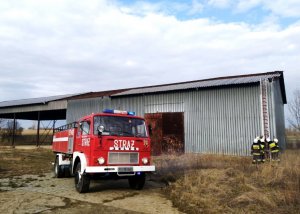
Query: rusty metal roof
[214,82]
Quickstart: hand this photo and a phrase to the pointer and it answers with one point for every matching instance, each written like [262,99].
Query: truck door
[84,138]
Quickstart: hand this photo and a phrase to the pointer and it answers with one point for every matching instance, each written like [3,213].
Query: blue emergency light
[131,113]
[114,111]
[109,111]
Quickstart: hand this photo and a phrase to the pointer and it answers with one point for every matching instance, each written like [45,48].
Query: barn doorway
[167,132]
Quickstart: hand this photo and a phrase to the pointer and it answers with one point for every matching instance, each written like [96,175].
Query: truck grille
[123,158]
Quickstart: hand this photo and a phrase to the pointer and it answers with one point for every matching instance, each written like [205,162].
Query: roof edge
[280,73]
[210,79]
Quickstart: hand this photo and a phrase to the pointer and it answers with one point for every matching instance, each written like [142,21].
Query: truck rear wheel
[137,182]
[82,181]
[58,170]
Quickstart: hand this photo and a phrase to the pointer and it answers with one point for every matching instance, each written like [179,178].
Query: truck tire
[137,182]
[82,181]
[58,170]
[67,171]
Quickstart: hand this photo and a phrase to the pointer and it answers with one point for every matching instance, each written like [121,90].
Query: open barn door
[167,132]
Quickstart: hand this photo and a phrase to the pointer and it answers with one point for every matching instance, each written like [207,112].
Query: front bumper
[105,169]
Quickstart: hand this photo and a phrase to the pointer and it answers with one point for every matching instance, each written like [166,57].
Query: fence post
[14,132]
[38,131]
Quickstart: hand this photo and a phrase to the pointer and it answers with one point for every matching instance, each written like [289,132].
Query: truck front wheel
[82,181]
[137,182]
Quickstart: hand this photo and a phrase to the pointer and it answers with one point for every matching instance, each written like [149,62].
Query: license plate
[125,169]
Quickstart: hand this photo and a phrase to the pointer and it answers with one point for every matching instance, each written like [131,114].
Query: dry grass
[14,162]
[293,139]
[34,132]
[223,184]
[200,183]
[29,137]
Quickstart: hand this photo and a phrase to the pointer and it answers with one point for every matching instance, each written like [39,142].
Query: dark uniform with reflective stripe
[274,150]
[256,151]
[261,141]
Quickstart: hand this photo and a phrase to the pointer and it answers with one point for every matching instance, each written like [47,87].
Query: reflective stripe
[60,139]
[272,145]
[255,147]
[275,151]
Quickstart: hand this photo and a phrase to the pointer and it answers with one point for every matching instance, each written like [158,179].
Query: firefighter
[263,147]
[256,150]
[267,149]
[274,149]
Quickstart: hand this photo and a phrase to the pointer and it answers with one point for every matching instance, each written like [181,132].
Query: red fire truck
[111,144]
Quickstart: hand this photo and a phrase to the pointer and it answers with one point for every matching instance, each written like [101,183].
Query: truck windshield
[120,126]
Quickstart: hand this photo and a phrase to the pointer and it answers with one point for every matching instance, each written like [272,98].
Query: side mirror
[100,130]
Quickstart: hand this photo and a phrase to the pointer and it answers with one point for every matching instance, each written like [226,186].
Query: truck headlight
[101,160]
[145,161]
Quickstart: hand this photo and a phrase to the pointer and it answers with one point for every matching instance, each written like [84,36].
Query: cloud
[282,8]
[220,3]
[196,8]
[142,8]
[61,47]
[244,6]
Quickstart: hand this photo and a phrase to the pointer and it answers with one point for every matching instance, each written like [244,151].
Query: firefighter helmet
[268,139]
[275,140]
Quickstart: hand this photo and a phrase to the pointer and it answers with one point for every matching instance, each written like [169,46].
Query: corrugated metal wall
[79,108]
[279,115]
[223,121]
[276,112]
[271,104]
[220,120]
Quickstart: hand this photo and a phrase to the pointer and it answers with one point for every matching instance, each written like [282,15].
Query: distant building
[220,115]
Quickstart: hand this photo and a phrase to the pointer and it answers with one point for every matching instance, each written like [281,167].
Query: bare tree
[33,126]
[1,122]
[294,109]
[7,129]
[2,127]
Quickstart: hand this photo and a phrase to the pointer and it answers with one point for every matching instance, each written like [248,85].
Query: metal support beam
[13,132]
[54,121]
[38,131]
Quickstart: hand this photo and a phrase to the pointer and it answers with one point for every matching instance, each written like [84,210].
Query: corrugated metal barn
[219,115]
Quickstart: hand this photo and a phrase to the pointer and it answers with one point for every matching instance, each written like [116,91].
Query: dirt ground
[42,193]
[45,194]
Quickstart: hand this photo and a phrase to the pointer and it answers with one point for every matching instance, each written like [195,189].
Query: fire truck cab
[111,144]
